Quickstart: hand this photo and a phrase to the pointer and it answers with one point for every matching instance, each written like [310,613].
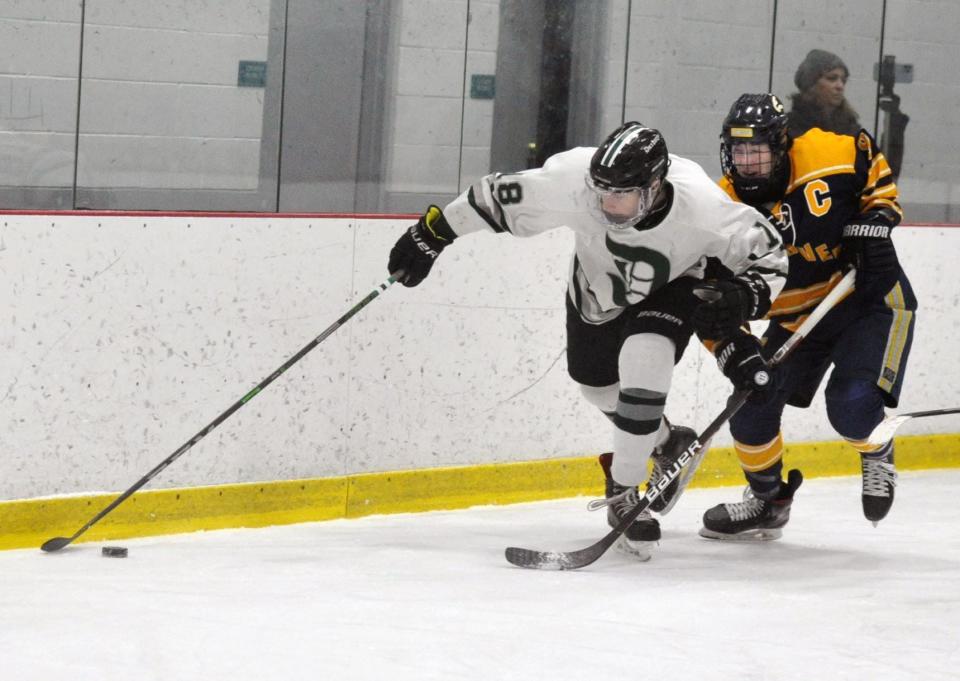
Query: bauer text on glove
[740,360]
[413,254]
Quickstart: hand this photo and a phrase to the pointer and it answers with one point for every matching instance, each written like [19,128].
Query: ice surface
[430,596]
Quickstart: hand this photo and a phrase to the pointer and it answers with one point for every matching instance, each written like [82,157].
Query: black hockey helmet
[632,160]
[757,118]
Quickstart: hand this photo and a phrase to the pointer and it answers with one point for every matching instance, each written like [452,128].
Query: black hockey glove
[867,246]
[415,251]
[728,304]
[740,360]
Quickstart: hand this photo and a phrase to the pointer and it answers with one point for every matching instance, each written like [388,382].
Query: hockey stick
[886,428]
[57,543]
[573,560]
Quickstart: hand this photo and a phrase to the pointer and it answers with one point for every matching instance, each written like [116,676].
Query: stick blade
[883,432]
[55,544]
[556,560]
[574,560]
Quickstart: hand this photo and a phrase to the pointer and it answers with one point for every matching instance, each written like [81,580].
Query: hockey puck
[114,551]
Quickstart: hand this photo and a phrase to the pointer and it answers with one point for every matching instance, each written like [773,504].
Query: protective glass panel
[845,33]
[920,95]
[389,105]
[333,104]
[687,63]
[38,102]
[424,108]
[556,62]
[178,107]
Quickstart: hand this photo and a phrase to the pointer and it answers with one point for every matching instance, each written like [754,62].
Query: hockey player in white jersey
[649,227]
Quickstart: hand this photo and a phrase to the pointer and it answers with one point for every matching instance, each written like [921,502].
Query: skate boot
[664,457]
[879,481]
[644,531]
[752,519]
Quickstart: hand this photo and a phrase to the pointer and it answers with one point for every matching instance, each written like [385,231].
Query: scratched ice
[430,596]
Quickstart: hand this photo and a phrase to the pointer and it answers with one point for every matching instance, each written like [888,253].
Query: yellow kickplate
[31,522]
[449,488]
[28,523]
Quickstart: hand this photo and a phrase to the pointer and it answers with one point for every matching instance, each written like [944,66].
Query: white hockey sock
[646,369]
[604,398]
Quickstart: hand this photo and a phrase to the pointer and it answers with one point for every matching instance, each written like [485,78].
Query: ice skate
[643,533]
[664,457]
[752,519]
[879,477]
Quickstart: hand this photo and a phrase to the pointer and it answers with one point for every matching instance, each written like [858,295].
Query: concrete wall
[122,337]
[160,104]
[440,137]
[38,92]
[686,63]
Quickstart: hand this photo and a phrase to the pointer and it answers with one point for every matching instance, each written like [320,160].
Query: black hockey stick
[573,560]
[886,428]
[57,543]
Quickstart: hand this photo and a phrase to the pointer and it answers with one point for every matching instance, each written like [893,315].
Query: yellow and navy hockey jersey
[834,180]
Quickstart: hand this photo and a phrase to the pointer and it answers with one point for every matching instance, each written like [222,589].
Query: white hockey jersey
[614,268]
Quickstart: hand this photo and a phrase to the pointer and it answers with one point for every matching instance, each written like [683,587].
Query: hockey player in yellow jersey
[836,204]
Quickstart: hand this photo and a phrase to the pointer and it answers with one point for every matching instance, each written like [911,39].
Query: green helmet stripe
[618,143]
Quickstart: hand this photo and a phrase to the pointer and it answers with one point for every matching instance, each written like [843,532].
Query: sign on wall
[252,74]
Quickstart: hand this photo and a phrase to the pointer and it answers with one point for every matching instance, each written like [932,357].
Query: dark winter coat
[806,114]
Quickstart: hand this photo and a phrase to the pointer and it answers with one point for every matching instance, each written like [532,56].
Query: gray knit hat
[814,65]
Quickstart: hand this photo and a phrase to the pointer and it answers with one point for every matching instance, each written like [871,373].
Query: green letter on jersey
[643,271]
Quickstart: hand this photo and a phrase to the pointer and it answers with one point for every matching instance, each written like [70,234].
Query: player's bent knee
[854,407]
[604,398]
[646,361]
[756,423]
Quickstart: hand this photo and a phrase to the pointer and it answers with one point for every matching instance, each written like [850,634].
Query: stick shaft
[933,412]
[186,446]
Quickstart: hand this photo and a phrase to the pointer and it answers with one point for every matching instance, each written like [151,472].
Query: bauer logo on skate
[674,472]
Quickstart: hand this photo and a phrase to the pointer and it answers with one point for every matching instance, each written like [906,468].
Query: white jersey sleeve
[614,268]
[528,202]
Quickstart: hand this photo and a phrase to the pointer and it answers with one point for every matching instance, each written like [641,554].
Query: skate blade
[745,536]
[640,550]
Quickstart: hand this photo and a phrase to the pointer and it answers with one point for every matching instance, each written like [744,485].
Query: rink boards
[124,335]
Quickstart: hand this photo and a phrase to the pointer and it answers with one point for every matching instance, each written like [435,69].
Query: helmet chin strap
[764,190]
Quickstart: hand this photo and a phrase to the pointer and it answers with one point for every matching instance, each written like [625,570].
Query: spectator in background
[820,103]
